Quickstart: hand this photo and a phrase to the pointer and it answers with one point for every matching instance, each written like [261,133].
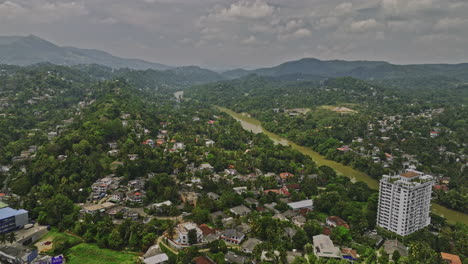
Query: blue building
[12,219]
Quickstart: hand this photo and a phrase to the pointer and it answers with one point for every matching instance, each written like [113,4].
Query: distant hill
[367,70]
[18,50]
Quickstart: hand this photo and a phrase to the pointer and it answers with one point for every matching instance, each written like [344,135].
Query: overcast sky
[249,33]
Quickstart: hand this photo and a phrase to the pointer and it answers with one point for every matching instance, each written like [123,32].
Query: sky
[223,34]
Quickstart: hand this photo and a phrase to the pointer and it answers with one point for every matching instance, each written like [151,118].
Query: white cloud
[250,40]
[301,33]
[247,9]
[451,23]
[40,11]
[363,25]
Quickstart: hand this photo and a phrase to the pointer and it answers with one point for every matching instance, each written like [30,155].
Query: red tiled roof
[206,230]
[285,175]
[410,174]
[293,186]
[203,260]
[338,221]
[452,259]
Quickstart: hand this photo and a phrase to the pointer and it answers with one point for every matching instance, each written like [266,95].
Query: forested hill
[150,80]
[376,128]
[28,50]
[369,70]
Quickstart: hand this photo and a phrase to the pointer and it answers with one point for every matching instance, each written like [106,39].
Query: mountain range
[28,50]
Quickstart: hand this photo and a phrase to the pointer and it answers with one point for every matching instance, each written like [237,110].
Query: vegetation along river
[255,126]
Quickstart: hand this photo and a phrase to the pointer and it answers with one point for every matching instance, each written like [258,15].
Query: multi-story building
[405,202]
[12,219]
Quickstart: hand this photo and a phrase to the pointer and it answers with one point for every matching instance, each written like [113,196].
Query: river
[251,124]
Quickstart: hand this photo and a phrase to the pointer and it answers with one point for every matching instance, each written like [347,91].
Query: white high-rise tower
[405,202]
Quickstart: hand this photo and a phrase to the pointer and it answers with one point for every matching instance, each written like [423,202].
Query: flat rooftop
[9,212]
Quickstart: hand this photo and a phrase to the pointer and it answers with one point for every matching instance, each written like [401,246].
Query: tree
[200,215]
[396,256]
[192,237]
[299,239]
[11,237]
[383,259]
[115,241]
[341,235]
[312,228]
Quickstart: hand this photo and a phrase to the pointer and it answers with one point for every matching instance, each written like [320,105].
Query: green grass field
[92,254]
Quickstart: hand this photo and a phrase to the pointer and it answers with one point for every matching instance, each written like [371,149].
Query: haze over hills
[18,50]
[310,68]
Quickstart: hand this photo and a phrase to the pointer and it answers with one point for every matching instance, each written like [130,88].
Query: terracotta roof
[453,259]
[410,174]
[286,175]
[206,230]
[338,221]
[350,252]
[203,260]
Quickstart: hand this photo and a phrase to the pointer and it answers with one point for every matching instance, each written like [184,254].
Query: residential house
[136,196]
[137,184]
[149,142]
[209,233]
[213,196]
[157,259]
[450,258]
[304,204]
[206,166]
[159,206]
[179,146]
[180,238]
[391,245]
[209,143]
[240,210]
[324,248]
[240,190]
[231,257]
[203,260]
[132,156]
[334,221]
[232,236]
[189,198]
[299,220]
[285,176]
[117,196]
[249,245]
[251,201]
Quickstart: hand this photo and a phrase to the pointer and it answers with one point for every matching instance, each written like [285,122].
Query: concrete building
[12,219]
[304,204]
[324,248]
[404,202]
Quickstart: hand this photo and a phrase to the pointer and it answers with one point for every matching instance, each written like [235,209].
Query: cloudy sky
[249,33]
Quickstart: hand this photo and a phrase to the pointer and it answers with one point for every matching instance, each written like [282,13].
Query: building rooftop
[450,258]
[301,204]
[323,247]
[410,174]
[9,212]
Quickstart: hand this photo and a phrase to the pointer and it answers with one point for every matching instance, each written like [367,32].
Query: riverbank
[251,124]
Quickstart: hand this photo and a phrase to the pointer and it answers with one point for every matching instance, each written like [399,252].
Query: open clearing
[89,253]
[338,109]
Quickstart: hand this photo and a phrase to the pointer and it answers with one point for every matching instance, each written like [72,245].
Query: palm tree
[11,237]
[3,238]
